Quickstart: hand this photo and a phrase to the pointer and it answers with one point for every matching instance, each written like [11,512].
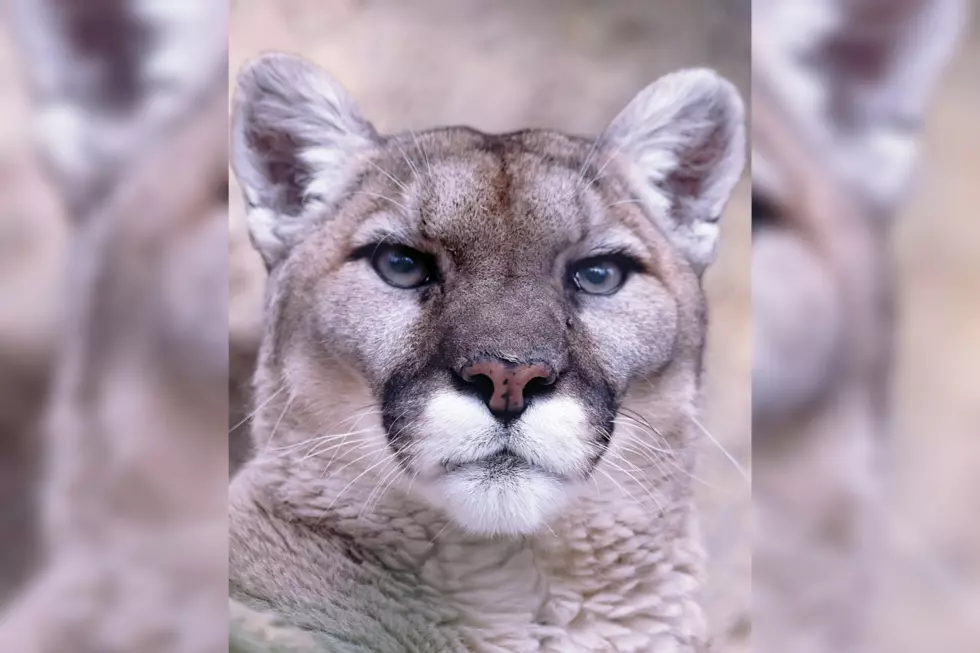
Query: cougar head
[494,298]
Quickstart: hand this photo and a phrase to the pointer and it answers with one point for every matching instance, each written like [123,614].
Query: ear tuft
[684,139]
[296,137]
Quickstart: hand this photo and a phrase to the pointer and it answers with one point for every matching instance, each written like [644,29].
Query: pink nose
[505,386]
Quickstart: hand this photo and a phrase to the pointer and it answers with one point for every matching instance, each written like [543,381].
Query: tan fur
[343,532]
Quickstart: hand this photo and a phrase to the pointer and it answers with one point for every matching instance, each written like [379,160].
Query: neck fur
[631,532]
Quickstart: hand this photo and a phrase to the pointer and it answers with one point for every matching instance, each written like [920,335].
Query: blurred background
[562,64]
[931,597]
[571,64]
[900,126]
[113,326]
[33,254]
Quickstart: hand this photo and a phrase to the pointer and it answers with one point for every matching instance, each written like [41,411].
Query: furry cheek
[634,332]
[364,320]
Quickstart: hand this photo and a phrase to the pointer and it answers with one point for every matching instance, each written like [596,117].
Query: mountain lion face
[492,299]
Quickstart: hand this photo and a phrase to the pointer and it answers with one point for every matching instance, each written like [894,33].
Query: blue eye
[400,266]
[599,277]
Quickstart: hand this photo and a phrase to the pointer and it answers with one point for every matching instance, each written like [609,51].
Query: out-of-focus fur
[841,89]
[135,452]
[590,543]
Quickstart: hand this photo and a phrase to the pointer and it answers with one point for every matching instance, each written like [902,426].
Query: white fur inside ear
[684,141]
[296,137]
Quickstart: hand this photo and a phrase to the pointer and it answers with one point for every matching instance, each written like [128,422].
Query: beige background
[931,597]
[571,64]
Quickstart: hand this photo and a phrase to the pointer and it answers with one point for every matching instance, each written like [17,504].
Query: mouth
[503,462]
[500,493]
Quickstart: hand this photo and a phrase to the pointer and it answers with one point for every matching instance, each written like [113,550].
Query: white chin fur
[551,438]
[518,502]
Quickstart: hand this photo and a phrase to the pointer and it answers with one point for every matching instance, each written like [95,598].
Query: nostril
[481,384]
[539,386]
[505,386]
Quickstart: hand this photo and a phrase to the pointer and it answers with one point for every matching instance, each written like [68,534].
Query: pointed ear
[683,138]
[296,138]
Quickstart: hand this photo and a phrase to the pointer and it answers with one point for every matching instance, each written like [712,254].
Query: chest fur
[605,578]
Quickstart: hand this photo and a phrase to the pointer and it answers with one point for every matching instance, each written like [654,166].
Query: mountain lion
[475,399]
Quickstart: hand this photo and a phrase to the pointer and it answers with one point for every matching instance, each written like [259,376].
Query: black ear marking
[297,137]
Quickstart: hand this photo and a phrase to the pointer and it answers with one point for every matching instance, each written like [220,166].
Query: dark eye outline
[374,251]
[626,264]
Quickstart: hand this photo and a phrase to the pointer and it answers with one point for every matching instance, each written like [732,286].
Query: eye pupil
[599,277]
[597,274]
[401,264]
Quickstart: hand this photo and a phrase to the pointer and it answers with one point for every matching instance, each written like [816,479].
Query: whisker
[411,165]
[621,488]
[609,160]
[387,481]
[411,463]
[332,458]
[343,441]
[368,412]
[275,428]
[402,186]
[316,451]
[441,530]
[628,448]
[260,407]
[635,480]
[386,486]
[631,201]
[384,197]
[677,467]
[358,443]
[357,478]
[385,473]
[718,444]
[326,468]
[631,430]
[645,429]
[425,155]
[354,480]
[634,415]
[317,439]
[394,438]
[668,456]
[588,159]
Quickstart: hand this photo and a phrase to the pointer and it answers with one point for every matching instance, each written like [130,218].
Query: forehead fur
[503,215]
[300,145]
[528,197]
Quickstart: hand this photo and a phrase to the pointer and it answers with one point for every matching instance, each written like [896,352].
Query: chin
[501,497]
